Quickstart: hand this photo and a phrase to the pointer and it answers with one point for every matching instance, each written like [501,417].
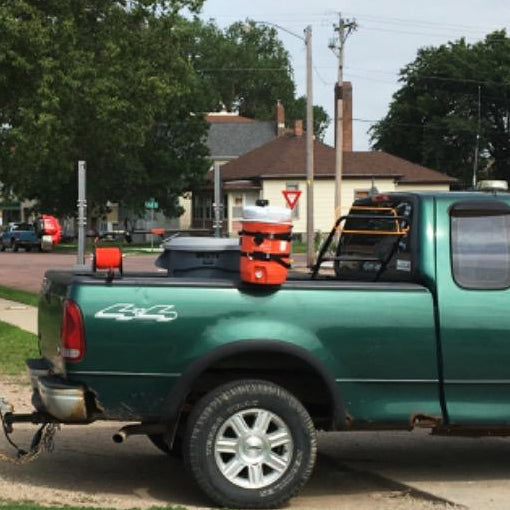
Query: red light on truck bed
[108,259]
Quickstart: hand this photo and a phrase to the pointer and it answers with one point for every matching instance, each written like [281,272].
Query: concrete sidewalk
[18,314]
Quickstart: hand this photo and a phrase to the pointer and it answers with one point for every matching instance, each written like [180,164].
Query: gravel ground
[87,468]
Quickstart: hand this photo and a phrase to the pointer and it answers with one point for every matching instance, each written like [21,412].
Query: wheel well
[291,372]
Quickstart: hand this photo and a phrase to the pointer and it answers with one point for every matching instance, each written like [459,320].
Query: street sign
[291,196]
[151,204]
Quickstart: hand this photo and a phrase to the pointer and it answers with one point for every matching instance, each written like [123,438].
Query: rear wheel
[250,444]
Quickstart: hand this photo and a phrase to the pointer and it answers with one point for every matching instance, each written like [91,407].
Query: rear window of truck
[480,249]
[22,227]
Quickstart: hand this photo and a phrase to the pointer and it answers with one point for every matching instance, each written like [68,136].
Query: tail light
[72,333]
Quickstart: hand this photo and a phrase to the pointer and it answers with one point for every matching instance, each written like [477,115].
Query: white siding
[185,219]
[323,198]
[422,187]
[245,198]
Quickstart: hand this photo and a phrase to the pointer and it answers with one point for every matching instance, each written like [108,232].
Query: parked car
[20,235]
[44,233]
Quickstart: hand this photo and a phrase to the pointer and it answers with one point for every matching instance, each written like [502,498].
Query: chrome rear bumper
[64,400]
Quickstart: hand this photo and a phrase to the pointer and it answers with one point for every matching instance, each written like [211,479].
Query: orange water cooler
[265,244]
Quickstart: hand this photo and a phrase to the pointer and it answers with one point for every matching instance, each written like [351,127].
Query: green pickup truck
[404,323]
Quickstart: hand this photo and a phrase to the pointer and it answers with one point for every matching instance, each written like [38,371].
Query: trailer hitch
[43,438]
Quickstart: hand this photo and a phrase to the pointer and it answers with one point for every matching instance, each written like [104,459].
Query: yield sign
[291,196]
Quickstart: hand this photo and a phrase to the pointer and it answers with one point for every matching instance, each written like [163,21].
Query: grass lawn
[21,296]
[16,346]
[135,248]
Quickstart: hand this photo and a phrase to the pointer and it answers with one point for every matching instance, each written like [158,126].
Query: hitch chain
[43,439]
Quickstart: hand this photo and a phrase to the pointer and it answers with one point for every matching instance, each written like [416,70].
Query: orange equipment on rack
[265,244]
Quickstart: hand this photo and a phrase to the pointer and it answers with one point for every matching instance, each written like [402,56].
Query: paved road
[355,471]
[26,270]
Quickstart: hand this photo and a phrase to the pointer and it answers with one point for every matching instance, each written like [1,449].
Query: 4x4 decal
[130,312]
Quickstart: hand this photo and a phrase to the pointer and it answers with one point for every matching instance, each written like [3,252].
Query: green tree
[95,80]
[321,118]
[246,68]
[433,117]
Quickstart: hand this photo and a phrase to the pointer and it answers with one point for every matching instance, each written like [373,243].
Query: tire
[158,440]
[2,247]
[228,445]
[28,248]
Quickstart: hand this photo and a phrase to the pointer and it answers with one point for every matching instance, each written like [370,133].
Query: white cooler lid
[202,244]
[267,214]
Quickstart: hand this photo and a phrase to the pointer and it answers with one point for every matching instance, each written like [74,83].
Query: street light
[310,252]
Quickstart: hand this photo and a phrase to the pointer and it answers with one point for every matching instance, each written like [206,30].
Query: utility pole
[344,28]
[82,213]
[477,145]
[310,251]
[217,205]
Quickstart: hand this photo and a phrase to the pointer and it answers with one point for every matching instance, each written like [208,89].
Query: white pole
[82,213]
[310,252]
[217,201]
[339,122]
[152,226]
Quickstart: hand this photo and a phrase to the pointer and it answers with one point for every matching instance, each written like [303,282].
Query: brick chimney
[298,127]
[347,116]
[280,119]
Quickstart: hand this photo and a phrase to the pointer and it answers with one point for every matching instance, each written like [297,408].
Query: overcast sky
[389,34]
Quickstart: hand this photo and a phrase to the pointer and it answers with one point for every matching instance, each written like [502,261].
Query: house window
[203,207]
[293,186]
[237,208]
[239,202]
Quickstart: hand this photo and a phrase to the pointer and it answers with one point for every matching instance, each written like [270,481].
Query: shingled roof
[285,157]
[230,137]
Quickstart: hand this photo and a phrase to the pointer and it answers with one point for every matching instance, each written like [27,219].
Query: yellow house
[280,165]
[263,159]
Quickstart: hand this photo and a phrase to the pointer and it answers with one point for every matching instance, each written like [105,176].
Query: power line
[426,127]
[324,82]
[423,23]
[414,33]
[227,69]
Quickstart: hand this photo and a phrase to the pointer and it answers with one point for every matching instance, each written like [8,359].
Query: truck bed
[144,332]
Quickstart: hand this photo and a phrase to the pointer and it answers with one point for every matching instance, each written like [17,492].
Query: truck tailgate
[54,292]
